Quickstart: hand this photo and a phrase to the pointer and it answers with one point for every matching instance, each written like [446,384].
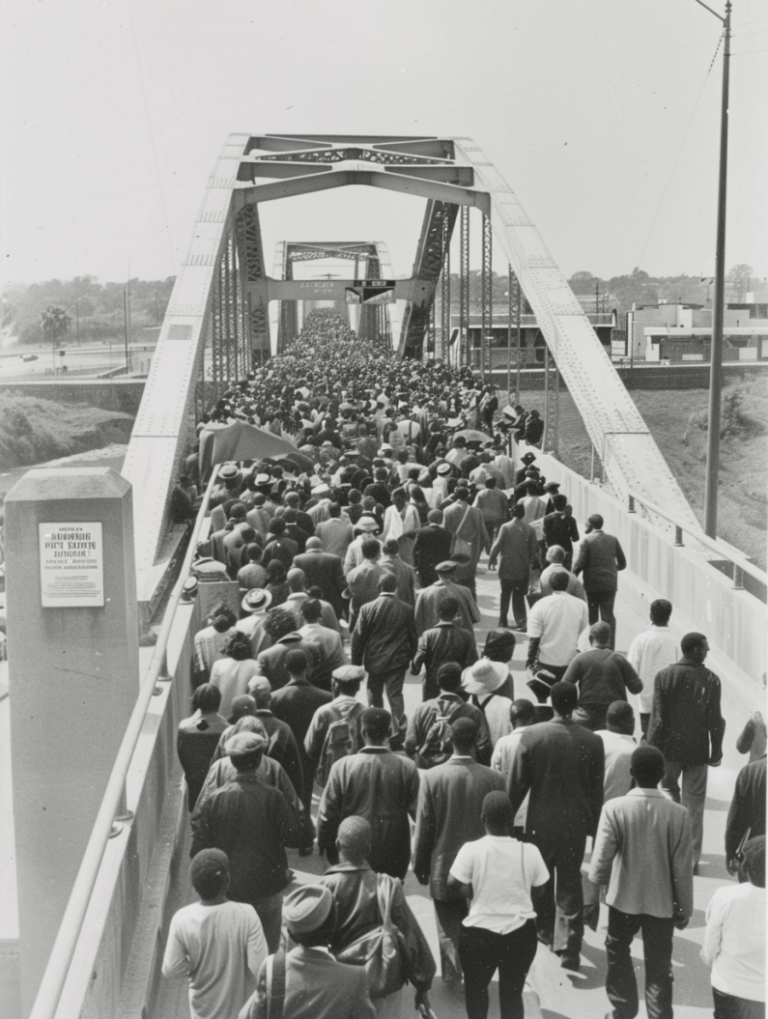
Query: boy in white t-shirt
[219,945]
[497,873]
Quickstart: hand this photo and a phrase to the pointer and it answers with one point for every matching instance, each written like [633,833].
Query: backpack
[481,705]
[437,746]
[341,740]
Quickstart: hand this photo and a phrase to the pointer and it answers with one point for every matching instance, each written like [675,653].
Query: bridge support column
[74,678]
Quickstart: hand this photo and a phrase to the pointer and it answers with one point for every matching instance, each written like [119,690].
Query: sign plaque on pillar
[71,565]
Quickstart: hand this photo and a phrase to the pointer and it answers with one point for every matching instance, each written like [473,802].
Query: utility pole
[716,356]
[519,332]
[509,330]
[125,323]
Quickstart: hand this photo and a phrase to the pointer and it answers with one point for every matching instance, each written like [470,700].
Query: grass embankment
[677,419]
[33,431]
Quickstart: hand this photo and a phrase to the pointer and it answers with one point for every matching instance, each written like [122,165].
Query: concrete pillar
[74,678]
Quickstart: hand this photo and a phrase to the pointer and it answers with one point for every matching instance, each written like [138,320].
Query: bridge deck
[578,996]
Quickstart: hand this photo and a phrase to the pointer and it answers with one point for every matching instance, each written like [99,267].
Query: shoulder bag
[381,950]
[460,546]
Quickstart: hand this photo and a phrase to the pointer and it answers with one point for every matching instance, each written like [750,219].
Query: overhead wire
[638,262]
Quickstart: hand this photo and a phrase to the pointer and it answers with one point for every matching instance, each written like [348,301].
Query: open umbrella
[239,441]
[301,460]
[473,435]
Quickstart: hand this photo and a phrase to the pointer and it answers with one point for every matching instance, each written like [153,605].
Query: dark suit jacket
[600,558]
[560,529]
[296,704]
[382,787]
[432,546]
[445,642]
[686,724]
[450,802]
[324,570]
[561,763]
[252,823]
[747,807]
[384,638]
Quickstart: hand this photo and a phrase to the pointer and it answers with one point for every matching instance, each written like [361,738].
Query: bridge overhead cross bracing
[222,294]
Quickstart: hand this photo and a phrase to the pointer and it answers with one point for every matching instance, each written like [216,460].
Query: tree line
[83,308]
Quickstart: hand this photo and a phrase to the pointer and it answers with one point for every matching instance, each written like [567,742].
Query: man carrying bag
[375,927]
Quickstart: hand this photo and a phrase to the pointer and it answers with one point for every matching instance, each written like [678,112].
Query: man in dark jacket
[449,814]
[252,823]
[561,529]
[516,547]
[600,559]
[323,570]
[446,642]
[384,642]
[747,810]
[561,763]
[687,726]
[602,676]
[433,545]
[376,784]
[296,704]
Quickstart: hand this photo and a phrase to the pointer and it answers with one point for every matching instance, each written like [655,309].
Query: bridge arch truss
[221,297]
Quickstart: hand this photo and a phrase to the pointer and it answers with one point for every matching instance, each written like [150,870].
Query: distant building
[531,337]
[678,332]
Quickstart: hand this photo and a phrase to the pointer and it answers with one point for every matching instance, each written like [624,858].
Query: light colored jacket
[643,853]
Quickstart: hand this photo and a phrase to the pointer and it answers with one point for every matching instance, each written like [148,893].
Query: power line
[677,157]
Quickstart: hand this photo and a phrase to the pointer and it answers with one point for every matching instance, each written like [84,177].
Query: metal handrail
[56,971]
[740,563]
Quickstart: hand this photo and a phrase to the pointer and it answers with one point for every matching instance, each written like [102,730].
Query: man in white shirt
[219,945]
[651,651]
[734,941]
[554,625]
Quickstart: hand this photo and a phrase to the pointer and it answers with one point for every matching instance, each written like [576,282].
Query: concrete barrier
[733,620]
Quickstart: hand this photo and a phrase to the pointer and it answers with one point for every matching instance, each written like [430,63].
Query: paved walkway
[553,993]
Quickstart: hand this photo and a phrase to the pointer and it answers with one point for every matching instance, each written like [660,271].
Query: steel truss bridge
[218,325]
[371,261]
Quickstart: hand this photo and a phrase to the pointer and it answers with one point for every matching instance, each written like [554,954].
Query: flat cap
[448,566]
[243,743]
[349,673]
[307,908]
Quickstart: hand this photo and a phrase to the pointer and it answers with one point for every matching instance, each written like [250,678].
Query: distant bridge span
[222,294]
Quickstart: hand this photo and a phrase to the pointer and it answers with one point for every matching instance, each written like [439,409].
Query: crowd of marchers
[324,578]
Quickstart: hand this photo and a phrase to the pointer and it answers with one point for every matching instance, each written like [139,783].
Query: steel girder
[463,341]
[486,289]
[616,428]
[434,241]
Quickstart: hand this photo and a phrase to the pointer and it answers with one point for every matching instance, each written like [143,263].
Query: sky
[602,115]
